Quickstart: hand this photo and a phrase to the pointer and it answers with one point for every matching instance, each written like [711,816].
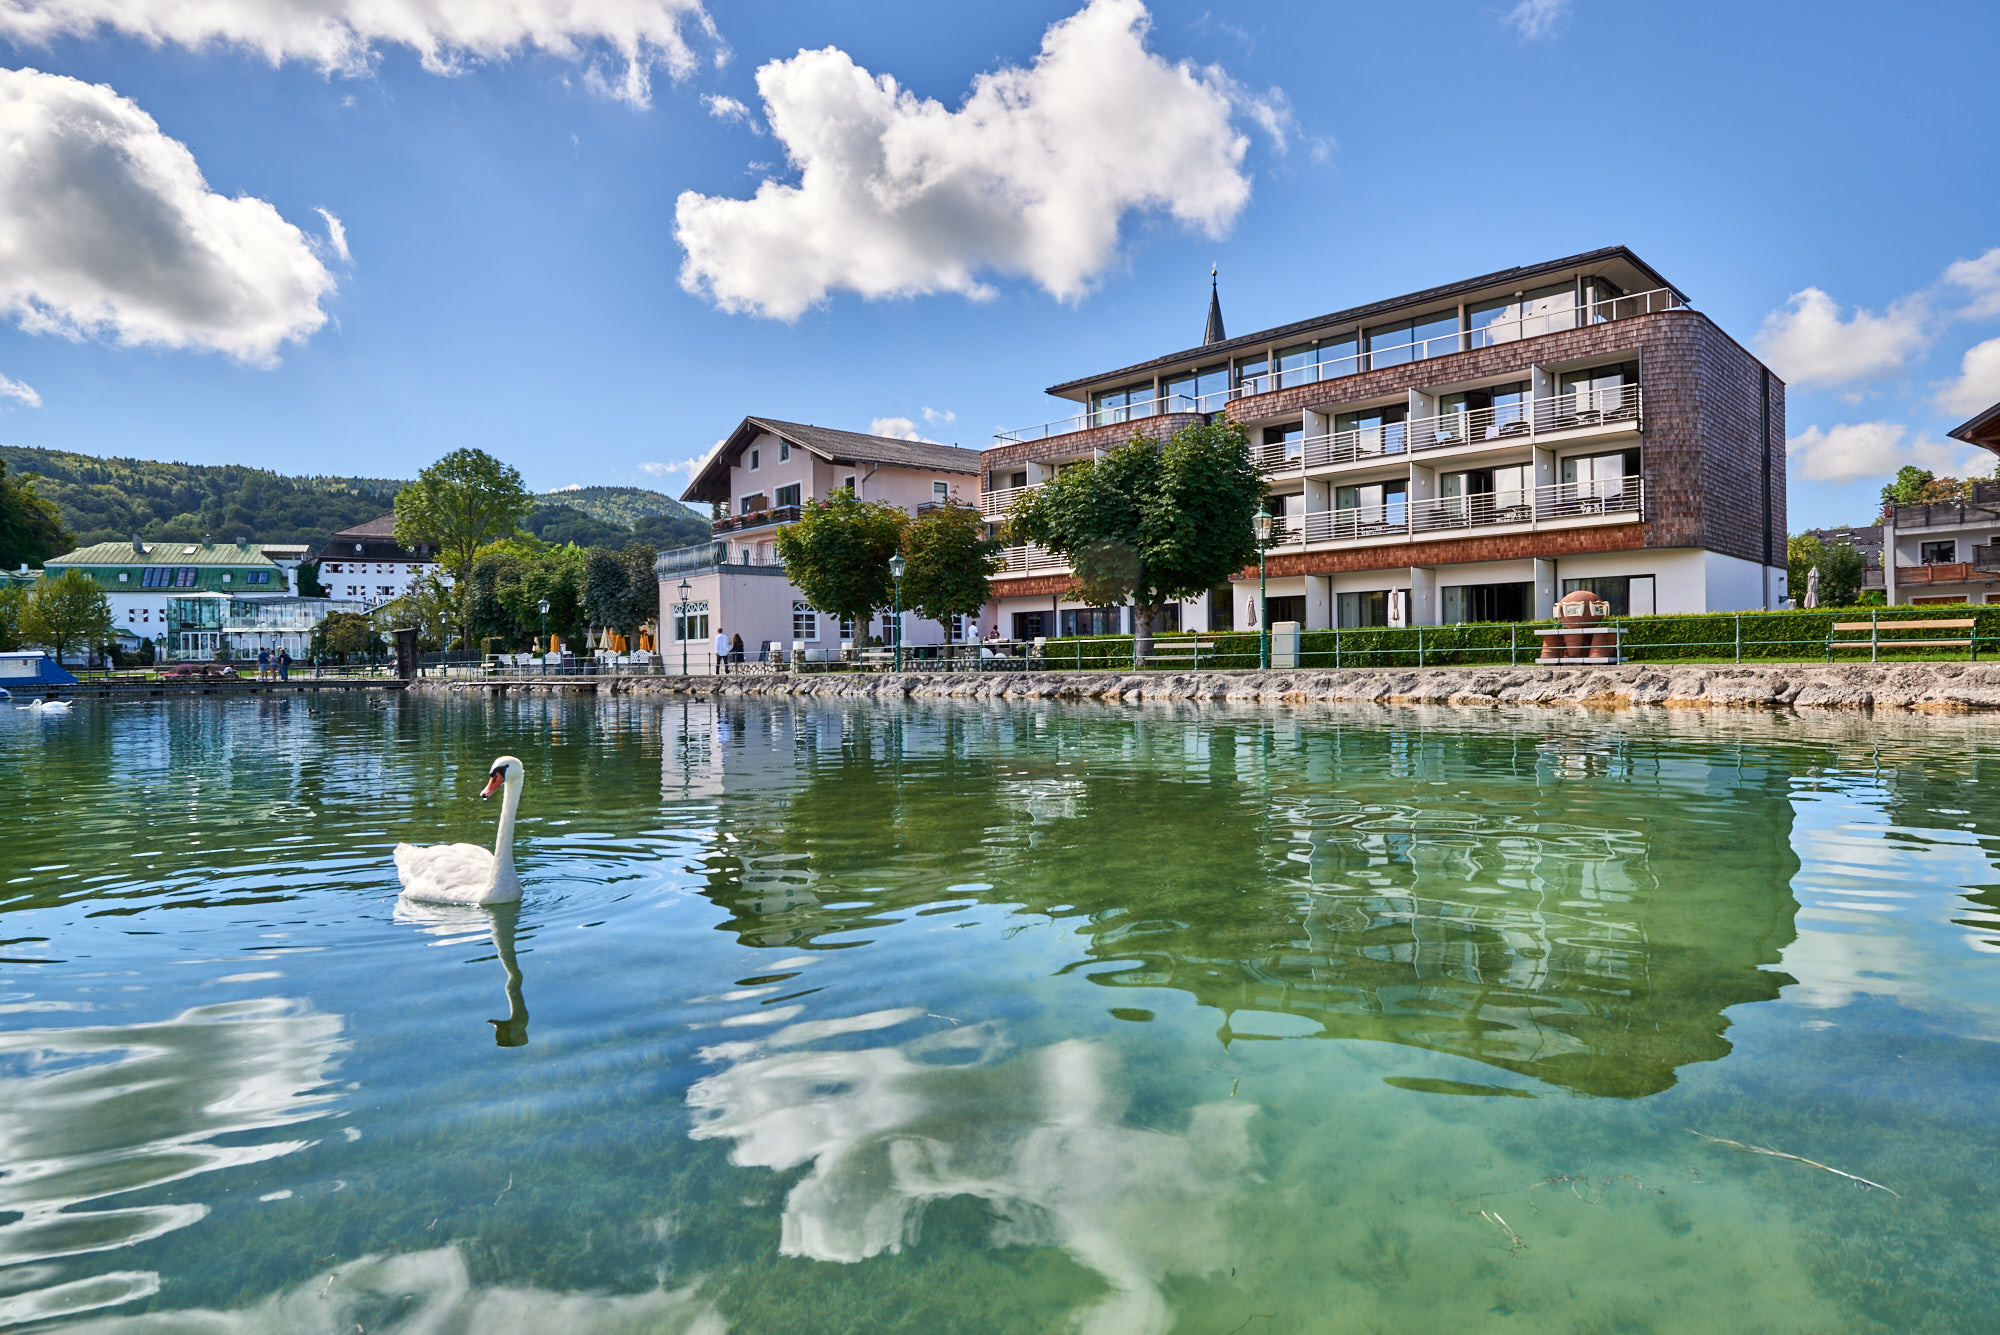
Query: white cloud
[20,393]
[686,467]
[728,110]
[1873,449]
[1537,18]
[343,36]
[109,229]
[896,428]
[1810,343]
[1981,278]
[936,418]
[1978,385]
[336,236]
[900,196]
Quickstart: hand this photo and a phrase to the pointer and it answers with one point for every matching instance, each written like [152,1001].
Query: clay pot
[1603,646]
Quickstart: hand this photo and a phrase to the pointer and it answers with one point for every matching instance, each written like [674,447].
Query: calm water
[822,1018]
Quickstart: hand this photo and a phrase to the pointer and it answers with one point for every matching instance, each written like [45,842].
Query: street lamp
[1263,603]
[542,649]
[897,565]
[682,609]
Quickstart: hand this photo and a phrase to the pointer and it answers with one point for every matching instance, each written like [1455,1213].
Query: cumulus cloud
[728,110]
[1032,175]
[896,428]
[336,236]
[684,468]
[1537,18]
[1810,342]
[1980,280]
[1872,449]
[344,36]
[19,393]
[936,418]
[109,230]
[1978,385]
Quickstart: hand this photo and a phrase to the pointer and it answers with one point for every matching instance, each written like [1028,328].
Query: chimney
[138,547]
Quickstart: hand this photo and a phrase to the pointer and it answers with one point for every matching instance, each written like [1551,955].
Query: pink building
[756,483]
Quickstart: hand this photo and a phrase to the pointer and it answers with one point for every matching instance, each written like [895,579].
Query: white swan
[57,707]
[466,873]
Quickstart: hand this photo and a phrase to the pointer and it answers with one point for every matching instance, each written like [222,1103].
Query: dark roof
[375,541]
[1519,274]
[1983,430]
[384,527]
[1213,333]
[832,445]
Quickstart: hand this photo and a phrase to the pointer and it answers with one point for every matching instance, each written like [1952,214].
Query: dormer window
[753,461]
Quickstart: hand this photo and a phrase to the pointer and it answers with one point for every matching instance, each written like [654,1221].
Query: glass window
[1389,344]
[1121,405]
[805,622]
[690,622]
[1292,438]
[1187,392]
[1375,430]
[846,628]
[784,450]
[1941,553]
[1600,474]
[1491,322]
[1621,591]
[185,577]
[1600,389]
[1370,608]
[788,495]
[1374,503]
[1298,365]
[1436,335]
[1090,621]
[848,482]
[753,461]
[1339,355]
[1488,602]
[1547,309]
[940,492]
[1031,625]
[1250,375]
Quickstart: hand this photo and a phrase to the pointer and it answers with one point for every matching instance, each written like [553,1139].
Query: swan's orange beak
[493,782]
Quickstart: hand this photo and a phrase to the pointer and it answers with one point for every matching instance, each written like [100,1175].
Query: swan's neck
[503,843]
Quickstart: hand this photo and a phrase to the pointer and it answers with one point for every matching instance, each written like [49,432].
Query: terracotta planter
[1603,646]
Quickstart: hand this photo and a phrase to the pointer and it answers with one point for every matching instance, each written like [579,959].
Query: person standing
[284,665]
[736,650]
[722,651]
[263,665]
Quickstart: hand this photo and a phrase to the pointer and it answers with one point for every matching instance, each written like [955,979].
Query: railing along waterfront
[1508,422]
[1372,359]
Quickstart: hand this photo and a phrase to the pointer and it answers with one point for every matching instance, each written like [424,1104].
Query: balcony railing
[994,504]
[1464,340]
[1031,560]
[1522,422]
[777,514]
[1947,572]
[710,556]
[1559,501]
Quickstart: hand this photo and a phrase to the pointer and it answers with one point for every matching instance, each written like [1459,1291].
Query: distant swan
[47,706]
[466,873]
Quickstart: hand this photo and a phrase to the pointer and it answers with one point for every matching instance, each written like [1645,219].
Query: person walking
[263,665]
[284,665]
[722,647]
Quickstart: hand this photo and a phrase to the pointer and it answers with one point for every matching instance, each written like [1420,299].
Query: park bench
[1185,652]
[1875,644]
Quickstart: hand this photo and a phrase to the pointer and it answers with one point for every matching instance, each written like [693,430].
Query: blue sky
[1808,173]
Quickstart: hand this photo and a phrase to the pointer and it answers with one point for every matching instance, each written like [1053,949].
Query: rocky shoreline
[1935,687]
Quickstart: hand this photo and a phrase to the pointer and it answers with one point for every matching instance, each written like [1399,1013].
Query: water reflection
[95,1113]
[460,923]
[1514,898]
[1039,1136]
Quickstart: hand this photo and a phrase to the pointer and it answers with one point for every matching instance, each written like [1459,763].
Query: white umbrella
[1812,587]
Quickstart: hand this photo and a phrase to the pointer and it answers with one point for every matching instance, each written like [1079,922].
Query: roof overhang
[1983,430]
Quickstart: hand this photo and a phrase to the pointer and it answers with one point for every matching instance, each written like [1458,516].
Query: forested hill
[109,500]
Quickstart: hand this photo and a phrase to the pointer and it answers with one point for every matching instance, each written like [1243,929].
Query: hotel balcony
[1562,504]
[781,514]
[995,504]
[705,556]
[1564,416]
[1944,572]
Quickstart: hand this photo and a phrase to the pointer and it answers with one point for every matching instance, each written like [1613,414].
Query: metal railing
[1558,501]
[1031,559]
[777,514]
[1462,340]
[711,556]
[1506,423]
[994,504]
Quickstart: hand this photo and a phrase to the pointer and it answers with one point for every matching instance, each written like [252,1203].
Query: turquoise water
[817,1017]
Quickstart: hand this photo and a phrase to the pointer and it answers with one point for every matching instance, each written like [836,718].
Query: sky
[348,236]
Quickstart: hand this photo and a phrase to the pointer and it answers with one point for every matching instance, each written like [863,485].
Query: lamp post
[681,609]
[542,648]
[1263,603]
[897,565]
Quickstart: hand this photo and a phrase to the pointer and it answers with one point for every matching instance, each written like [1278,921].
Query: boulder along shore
[1938,687]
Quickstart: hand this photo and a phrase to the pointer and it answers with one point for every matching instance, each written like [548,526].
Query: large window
[689,623]
[258,577]
[1309,363]
[1601,389]
[160,577]
[1091,621]
[1941,553]
[1489,495]
[1188,393]
[1375,502]
[1291,438]
[185,576]
[1252,375]
[1540,311]
[1031,625]
[1411,340]
[1121,405]
[1377,430]
[787,495]
[1370,608]
[805,622]
[1629,595]
[1286,607]
[1488,602]
[1600,475]
[1484,414]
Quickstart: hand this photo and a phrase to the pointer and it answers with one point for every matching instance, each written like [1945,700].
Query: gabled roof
[372,541]
[1517,275]
[165,554]
[383,527]
[1983,430]
[834,446]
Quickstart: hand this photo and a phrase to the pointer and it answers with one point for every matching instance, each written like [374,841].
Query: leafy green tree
[951,562]
[429,605]
[459,504]
[1908,488]
[31,530]
[1803,551]
[837,554]
[620,591]
[343,634]
[66,611]
[1152,521]
[13,605]
[1841,571]
[554,573]
[309,585]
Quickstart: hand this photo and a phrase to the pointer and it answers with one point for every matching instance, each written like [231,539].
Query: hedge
[1707,636]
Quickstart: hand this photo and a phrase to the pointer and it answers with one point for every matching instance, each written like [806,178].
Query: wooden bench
[1180,652]
[1874,644]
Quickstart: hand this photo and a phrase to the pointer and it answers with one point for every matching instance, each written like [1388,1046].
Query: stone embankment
[1942,687]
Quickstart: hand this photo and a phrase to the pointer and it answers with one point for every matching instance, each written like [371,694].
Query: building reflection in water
[1038,1135]
[1494,894]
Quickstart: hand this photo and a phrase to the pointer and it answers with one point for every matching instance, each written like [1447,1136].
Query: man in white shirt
[722,651]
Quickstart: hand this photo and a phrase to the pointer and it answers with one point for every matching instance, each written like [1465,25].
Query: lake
[825,1016]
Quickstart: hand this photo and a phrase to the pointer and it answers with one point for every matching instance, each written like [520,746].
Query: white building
[366,564]
[757,482]
[139,578]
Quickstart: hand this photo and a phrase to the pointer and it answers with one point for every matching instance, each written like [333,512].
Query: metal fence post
[1336,646]
[1513,637]
[1874,635]
[1739,637]
[1420,646]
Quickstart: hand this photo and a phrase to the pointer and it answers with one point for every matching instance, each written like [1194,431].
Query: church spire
[1213,334]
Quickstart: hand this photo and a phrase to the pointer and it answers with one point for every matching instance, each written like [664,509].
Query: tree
[458,505]
[555,574]
[31,529]
[837,554]
[428,605]
[1152,521]
[620,590]
[341,634]
[1907,489]
[67,610]
[951,562]
[1803,551]
[1840,574]
[309,585]
[13,604]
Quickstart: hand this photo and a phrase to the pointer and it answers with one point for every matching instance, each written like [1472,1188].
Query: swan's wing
[448,873]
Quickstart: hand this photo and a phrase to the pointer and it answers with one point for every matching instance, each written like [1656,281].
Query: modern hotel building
[1466,453]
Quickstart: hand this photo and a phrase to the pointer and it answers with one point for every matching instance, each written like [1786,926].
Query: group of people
[728,650]
[274,669]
